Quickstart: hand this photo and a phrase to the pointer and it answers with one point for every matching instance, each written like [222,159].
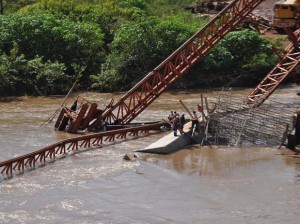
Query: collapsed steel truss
[154,84]
[40,157]
[285,66]
[177,64]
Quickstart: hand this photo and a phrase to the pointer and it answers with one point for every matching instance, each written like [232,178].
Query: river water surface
[194,185]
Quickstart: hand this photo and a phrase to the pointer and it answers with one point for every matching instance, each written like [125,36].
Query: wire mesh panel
[234,123]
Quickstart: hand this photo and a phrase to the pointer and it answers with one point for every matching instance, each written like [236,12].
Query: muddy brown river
[227,185]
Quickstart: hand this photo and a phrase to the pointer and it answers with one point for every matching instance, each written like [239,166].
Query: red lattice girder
[178,63]
[286,65]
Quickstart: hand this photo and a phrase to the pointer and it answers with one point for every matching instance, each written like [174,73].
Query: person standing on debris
[175,124]
[181,122]
[103,125]
[285,136]
[292,139]
[296,123]
[195,122]
[175,114]
[170,117]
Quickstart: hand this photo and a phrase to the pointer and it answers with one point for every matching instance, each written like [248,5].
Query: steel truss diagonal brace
[268,85]
[178,63]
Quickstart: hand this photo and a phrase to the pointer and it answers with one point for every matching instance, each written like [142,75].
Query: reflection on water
[194,185]
[219,161]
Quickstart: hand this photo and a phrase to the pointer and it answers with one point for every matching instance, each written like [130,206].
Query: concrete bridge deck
[170,143]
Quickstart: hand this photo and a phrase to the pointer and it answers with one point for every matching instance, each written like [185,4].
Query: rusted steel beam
[85,143]
[28,161]
[291,36]
[74,126]
[284,67]
[71,146]
[98,141]
[185,107]
[122,136]
[59,119]
[110,138]
[90,115]
[8,169]
[178,63]
[19,165]
[134,133]
[61,149]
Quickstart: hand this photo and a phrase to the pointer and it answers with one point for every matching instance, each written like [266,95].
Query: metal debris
[234,123]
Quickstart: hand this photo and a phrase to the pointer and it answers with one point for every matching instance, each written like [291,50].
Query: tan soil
[265,9]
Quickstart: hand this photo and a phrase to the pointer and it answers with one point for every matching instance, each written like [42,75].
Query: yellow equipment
[286,14]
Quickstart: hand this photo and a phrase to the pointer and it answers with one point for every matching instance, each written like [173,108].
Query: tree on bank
[114,43]
[42,35]
[139,46]
[14,5]
[241,58]
[19,76]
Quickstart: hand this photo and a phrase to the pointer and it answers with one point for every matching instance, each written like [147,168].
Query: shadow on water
[221,161]
[9,99]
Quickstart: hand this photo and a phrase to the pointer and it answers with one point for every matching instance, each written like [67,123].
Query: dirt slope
[265,9]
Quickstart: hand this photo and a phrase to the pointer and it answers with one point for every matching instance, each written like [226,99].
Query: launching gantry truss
[177,64]
[285,66]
